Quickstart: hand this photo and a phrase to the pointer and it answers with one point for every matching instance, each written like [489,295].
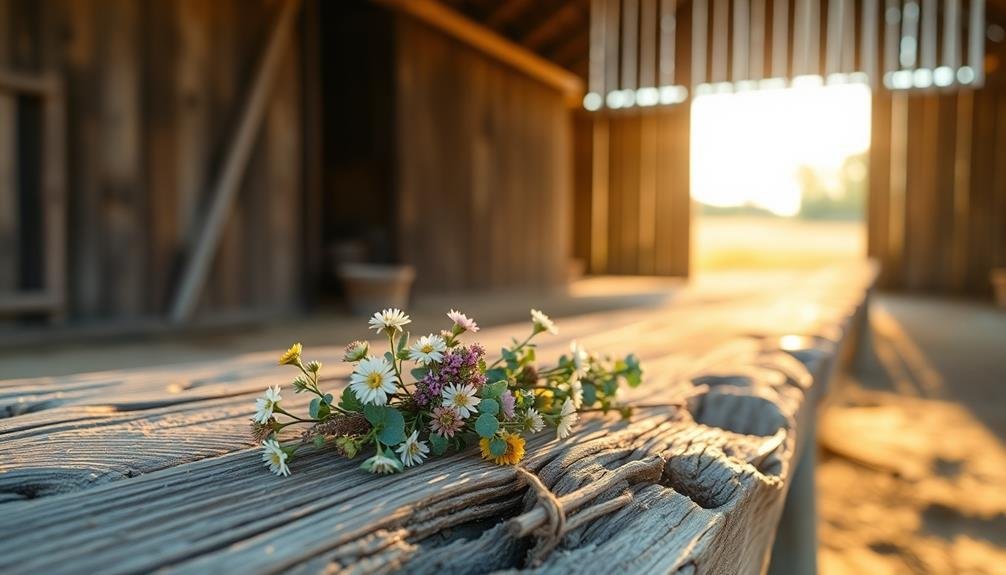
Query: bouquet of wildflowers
[438,394]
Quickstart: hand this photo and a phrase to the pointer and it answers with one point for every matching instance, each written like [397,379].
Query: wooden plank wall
[647,204]
[485,151]
[8,161]
[639,197]
[153,92]
[937,206]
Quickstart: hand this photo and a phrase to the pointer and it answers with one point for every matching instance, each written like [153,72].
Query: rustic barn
[187,159]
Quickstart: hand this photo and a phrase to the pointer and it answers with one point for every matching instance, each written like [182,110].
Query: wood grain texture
[151,91]
[944,233]
[647,211]
[139,470]
[485,150]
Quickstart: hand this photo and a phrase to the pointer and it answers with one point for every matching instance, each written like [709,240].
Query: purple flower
[460,366]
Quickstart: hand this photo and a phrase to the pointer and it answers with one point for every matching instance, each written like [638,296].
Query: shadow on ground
[913,469]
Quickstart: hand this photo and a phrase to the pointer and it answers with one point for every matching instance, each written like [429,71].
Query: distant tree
[844,201]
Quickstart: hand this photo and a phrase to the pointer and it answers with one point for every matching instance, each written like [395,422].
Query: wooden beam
[648,44]
[700,40]
[508,12]
[976,41]
[952,34]
[611,43]
[553,26]
[741,40]
[226,187]
[927,39]
[30,84]
[597,50]
[756,69]
[835,37]
[668,29]
[485,40]
[630,44]
[868,42]
[27,302]
[780,39]
[721,35]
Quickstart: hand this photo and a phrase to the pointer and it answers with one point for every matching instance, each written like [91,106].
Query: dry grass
[749,242]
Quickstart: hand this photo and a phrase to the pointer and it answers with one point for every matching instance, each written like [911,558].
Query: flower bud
[356,351]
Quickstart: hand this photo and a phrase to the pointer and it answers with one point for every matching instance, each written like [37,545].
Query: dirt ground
[912,469]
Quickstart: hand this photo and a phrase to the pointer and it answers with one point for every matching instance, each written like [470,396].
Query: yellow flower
[514,449]
[544,398]
[292,355]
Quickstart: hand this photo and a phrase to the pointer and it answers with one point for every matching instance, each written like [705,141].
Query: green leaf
[314,407]
[486,425]
[610,386]
[389,358]
[388,421]
[349,401]
[494,390]
[496,374]
[497,447]
[438,443]
[489,406]
[328,398]
[319,441]
[589,394]
[419,373]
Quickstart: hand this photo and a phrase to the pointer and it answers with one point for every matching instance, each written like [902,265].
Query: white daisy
[462,323]
[275,457]
[428,349]
[533,421]
[373,380]
[382,464]
[543,323]
[413,451]
[461,398]
[391,320]
[567,417]
[576,392]
[266,404]
[579,357]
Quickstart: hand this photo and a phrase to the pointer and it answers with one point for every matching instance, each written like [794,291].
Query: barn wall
[484,166]
[639,200]
[154,90]
[937,207]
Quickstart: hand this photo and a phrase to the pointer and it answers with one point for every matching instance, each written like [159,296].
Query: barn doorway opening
[779,177]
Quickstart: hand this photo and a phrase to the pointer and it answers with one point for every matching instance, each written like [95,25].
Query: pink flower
[462,321]
[446,421]
[507,402]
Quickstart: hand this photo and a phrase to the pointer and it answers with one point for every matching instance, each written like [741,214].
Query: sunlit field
[779,177]
[745,242]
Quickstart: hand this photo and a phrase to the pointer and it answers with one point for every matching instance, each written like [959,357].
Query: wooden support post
[700,40]
[226,187]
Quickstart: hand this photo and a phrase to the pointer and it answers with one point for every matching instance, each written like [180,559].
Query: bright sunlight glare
[748,147]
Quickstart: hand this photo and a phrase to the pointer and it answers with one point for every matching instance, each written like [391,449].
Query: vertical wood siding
[946,229]
[647,213]
[484,168]
[153,93]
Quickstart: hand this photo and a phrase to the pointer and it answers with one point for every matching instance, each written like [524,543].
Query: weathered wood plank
[709,465]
